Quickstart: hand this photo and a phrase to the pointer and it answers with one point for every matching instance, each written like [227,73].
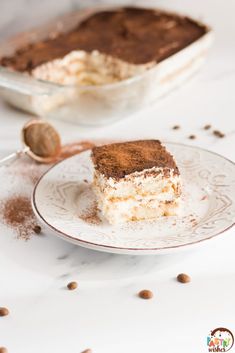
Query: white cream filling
[138,196]
[132,210]
[139,185]
[83,68]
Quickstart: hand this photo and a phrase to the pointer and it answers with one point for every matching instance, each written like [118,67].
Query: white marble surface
[104,313]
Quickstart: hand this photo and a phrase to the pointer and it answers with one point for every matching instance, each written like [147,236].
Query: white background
[104,313]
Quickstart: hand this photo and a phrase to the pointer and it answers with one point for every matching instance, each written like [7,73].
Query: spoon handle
[13,156]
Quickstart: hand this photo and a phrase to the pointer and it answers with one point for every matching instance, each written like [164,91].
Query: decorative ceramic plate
[64,202]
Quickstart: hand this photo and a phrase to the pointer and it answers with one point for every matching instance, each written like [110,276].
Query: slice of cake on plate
[136,180]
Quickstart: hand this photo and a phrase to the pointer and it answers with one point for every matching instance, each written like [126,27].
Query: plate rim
[112,248]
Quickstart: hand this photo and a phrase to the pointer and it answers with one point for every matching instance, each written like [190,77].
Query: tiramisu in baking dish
[135,180]
[106,47]
[149,50]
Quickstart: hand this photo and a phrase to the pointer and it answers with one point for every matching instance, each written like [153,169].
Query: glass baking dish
[94,105]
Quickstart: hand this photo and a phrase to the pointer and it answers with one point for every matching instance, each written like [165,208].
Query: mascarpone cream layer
[138,195]
[132,210]
[82,68]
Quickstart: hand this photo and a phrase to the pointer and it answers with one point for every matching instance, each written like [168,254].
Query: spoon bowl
[42,140]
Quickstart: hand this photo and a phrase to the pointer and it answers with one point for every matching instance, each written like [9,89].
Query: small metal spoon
[41,142]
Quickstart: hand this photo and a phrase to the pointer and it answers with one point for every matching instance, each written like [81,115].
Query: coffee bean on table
[4,311]
[72,285]
[183,278]
[146,294]
[3,350]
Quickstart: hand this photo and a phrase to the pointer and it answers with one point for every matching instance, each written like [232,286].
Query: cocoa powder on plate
[90,215]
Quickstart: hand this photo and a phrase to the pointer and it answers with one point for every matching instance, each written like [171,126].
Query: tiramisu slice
[135,180]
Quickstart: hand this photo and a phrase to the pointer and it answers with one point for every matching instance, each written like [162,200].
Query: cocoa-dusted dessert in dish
[108,46]
[135,180]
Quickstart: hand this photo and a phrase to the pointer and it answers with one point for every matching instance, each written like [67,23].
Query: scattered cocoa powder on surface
[90,215]
[17,213]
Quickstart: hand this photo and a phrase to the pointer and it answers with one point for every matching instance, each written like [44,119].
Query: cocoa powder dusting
[120,159]
[91,215]
[17,213]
